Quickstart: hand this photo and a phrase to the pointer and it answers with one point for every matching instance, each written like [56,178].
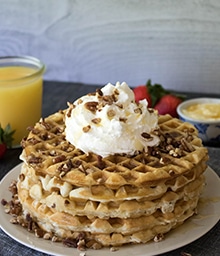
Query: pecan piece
[186,145]
[39,233]
[146,136]
[138,111]
[34,159]
[122,119]
[165,160]
[158,238]
[4,202]
[21,177]
[96,120]
[91,106]
[65,168]
[109,99]
[86,128]
[111,113]
[46,125]
[59,159]
[71,107]
[100,162]
[66,202]
[70,242]
[99,91]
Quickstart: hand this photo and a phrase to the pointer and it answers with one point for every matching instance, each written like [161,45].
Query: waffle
[51,192]
[114,200]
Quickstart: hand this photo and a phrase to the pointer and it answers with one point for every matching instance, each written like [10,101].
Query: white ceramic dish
[209,130]
[191,230]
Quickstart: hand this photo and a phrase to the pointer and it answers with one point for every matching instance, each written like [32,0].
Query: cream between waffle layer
[114,200]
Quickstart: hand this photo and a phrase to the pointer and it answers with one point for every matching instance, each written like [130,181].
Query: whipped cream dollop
[110,122]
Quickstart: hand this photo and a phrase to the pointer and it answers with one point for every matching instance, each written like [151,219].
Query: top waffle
[47,151]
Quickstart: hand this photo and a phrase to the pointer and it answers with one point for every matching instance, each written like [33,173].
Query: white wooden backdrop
[172,42]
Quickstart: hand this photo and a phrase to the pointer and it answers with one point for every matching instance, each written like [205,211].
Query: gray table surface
[55,96]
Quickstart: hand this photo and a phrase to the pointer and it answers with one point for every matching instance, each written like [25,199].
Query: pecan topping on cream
[86,128]
[91,106]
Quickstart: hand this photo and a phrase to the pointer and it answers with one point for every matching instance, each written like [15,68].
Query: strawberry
[159,98]
[168,104]
[3,149]
[141,92]
[5,139]
[152,93]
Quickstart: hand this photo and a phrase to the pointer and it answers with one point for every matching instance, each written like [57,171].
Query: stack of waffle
[114,200]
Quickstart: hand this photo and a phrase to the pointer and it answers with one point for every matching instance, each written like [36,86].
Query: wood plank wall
[172,42]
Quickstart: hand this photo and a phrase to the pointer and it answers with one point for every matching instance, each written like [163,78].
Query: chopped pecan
[33,130]
[33,141]
[119,105]
[169,147]
[96,120]
[151,110]
[91,106]
[71,107]
[80,101]
[186,145]
[147,136]
[81,168]
[171,172]
[45,136]
[28,217]
[55,239]
[122,119]
[14,220]
[109,99]
[32,159]
[59,159]
[111,113]
[70,242]
[99,91]
[158,237]
[4,202]
[86,128]
[45,125]
[138,111]
[100,162]
[76,163]
[164,160]
[81,245]
[13,187]
[66,202]
[92,244]
[64,168]
[21,177]
[47,236]
[39,233]
[116,91]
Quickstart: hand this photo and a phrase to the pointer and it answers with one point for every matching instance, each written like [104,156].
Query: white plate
[191,230]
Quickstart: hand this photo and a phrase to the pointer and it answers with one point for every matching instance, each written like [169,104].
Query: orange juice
[20,99]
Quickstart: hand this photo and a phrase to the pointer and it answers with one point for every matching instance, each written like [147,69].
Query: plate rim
[157,248]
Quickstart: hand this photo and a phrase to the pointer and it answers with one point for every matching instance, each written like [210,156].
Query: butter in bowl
[204,114]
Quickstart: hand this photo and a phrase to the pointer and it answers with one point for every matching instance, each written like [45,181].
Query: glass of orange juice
[21,87]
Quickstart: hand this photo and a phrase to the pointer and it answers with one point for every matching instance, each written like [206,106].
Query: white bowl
[208,129]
